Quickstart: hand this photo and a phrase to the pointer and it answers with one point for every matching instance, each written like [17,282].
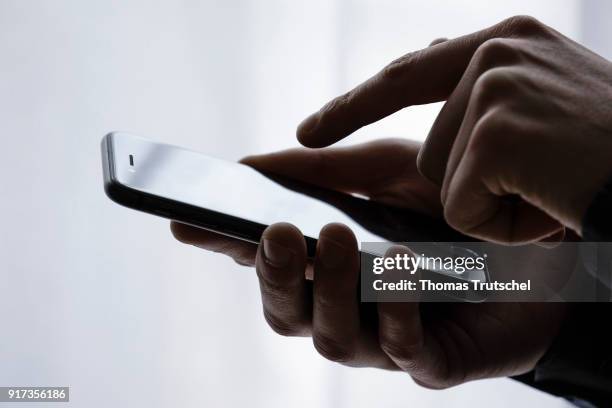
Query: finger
[483,147]
[479,110]
[335,321]
[281,264]
[241,251]
[402,336]
[477,205]
[356,169]
[425,76]
[438,41]
[434,155]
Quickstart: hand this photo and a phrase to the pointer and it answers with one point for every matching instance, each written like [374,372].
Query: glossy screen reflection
[234,189]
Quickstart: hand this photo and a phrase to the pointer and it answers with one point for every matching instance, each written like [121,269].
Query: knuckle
[332,349]
[336,104]
[489,136]
[274,283]
[400,68]
[402,354]
[494,84]
[275,294]
[523,25]
[495,52]
[493,127]
[334,298]
[392,70]
[282,326]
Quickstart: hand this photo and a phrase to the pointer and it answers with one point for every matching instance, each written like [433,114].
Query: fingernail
[309,123]
[275,254]
[331,254]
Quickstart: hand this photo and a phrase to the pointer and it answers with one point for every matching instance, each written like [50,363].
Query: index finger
[420,77]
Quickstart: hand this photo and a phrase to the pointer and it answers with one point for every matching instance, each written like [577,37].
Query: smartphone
[238,201]
[235,200]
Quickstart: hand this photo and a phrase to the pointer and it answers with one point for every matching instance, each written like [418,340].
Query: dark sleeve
[578,366]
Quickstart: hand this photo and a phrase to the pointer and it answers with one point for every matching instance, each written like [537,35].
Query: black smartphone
[236,200]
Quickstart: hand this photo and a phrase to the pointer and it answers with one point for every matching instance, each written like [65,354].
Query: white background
[101,298]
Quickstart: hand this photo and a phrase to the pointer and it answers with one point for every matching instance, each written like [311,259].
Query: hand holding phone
[416,338]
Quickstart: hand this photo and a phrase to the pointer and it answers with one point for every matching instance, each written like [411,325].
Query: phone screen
[192,178]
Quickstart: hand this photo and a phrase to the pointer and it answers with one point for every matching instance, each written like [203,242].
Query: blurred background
[101,298]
